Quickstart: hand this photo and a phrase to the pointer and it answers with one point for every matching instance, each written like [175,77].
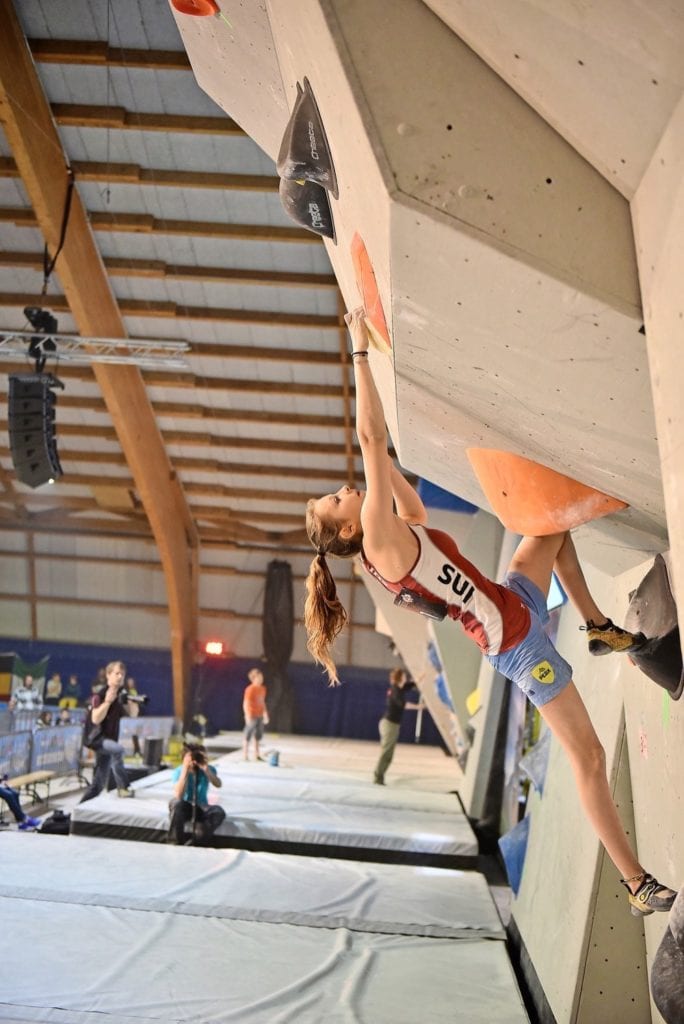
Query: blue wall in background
[351,710]
[150,668]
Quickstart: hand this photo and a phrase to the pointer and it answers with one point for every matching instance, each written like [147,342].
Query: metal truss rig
[73,349]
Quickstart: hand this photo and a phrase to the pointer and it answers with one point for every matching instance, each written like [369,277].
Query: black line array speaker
[31,420]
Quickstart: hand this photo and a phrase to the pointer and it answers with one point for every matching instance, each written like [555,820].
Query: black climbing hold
[667,974]
[307,204]
[304,151]
[653,612]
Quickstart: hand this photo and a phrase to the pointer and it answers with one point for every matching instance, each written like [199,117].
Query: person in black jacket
[106,711]
[390,723]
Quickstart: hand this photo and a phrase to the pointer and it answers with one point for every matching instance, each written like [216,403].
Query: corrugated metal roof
[228,417]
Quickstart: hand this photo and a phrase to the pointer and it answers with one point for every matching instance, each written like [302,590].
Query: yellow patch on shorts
[544,672]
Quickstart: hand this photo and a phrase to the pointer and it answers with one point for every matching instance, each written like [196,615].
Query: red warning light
[214,648]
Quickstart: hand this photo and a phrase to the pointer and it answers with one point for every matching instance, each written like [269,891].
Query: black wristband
[360,353]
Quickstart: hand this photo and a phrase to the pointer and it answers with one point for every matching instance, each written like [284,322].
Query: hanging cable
[49,264]
[107,191]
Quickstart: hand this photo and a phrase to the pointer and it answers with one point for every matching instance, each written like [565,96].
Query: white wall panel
[15,618]
[13,576]
[12,540]
[94,625]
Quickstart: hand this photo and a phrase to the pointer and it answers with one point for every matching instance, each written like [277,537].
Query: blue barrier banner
[66,716]
[15,753]
[57,749]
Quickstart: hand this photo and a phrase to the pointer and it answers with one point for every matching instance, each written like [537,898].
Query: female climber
[386,526]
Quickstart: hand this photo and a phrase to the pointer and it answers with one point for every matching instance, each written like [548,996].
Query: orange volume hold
[533,500]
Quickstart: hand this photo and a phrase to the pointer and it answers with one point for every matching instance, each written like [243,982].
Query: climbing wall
[515,177]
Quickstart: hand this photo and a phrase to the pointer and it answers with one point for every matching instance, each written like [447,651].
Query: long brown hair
[324,614]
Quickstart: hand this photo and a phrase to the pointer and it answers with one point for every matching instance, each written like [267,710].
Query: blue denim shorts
[534,664]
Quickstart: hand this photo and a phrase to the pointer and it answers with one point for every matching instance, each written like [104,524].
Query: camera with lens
[135,698]
[197,753]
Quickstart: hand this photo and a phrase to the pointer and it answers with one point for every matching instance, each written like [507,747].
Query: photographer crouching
[107,707]
[192,779]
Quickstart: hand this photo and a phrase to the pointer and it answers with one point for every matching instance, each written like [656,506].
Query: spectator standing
[254,709]
[390,723]
[106,712]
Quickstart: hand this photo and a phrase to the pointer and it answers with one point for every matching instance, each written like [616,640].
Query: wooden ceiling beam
[184,410]
[215,536]
[65,502]
[158,270]
[146,224]
[223,514]
[271,496]
[81,115]
[169,380]
[34,141]
[190,465]
[79,51]
[100,527]
[204,440]
[175,311]
[116,458]
[220,275]
[134,174]
[59,503]
[268,416]
[74,51]
[71,514]
[268,318]
[191,488]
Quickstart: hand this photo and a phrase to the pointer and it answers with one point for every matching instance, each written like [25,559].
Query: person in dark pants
[106,712]
[11,798]
[192,779]
[390,723]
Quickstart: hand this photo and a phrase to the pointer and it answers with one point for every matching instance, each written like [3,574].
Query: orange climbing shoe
[608,638]
[649,897]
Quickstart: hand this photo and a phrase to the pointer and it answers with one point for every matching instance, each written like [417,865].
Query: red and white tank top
[491,614]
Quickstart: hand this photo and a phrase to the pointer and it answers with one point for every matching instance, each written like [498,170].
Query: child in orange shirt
[256,715]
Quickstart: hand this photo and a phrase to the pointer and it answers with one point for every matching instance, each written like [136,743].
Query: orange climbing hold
[534,500]
[199,8]
[367,285]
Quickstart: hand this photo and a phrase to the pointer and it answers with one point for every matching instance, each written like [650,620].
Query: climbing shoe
[649,897]
[609,637]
